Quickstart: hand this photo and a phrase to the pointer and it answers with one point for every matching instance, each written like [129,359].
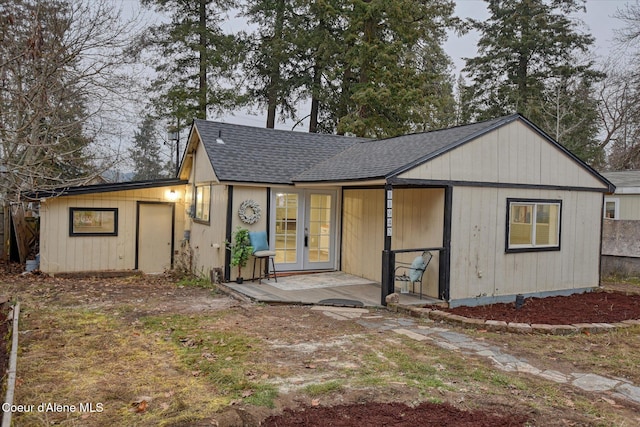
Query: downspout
[227,254]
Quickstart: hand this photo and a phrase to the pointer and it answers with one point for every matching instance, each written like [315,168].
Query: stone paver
[554,376]
[336,309]
[412,335]
[335,315]
[460,342]
[593,382]
[628,391]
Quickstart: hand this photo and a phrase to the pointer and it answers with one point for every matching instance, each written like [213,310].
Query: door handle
[306,237]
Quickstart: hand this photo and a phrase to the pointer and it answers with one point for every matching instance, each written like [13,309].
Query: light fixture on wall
[172,195]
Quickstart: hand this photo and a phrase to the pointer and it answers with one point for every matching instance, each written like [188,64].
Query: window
[533,225]
[203,203]
[612,208]
[93,221]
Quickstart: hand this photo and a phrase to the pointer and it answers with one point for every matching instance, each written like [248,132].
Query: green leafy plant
[240,248]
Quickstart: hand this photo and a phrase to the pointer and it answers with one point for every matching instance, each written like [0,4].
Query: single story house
[501,206]
[621,229]
[624,203]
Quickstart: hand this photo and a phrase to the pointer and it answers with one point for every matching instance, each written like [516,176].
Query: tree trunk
[202,89]
[274,76]
[315,102]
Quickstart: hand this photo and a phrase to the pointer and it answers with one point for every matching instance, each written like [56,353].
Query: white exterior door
[304,229]
[155,237]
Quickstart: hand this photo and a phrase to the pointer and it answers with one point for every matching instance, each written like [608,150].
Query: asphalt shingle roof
[269,156]
[262,155]
[628,178]
[382,158]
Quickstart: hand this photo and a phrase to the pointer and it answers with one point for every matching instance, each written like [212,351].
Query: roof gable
[259,155]
[388,157]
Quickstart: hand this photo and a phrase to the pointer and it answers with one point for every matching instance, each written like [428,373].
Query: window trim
[532,247]
[75,233]
[616,209]
[195,204]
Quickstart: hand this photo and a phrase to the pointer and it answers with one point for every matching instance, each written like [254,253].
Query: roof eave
[104,188]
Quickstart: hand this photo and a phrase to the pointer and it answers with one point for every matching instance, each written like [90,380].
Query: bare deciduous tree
[61,68]
[619,96]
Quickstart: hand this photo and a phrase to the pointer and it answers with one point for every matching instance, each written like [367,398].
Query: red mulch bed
[591,307]
[392,414]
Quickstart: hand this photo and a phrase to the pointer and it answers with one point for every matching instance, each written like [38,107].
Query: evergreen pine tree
[531,60]
[146,152]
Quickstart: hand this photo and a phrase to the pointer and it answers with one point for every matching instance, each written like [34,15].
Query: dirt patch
[590,307]
[124,341]
[392,414]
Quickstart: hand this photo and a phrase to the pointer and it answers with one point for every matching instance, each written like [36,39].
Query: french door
[304,229]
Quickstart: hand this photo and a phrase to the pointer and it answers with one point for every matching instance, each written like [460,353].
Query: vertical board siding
[481,267]
[418,218]
[202,171]
[62,253]
[629,205]
[363,232]
[208,240]
[418,222]
[511,154]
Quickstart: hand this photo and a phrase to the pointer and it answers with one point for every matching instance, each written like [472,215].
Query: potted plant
[241,250]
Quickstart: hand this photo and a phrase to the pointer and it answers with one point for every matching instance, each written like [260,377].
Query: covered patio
[327,288]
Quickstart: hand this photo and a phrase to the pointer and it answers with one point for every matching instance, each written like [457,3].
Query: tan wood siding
[240,194]
[511,154]
[479,265]
[418,216]
[60,252]
[418,222]
[629,205]
[208,240]
[202,171]
[363,232]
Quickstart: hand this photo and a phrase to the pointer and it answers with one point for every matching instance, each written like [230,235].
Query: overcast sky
[598,20]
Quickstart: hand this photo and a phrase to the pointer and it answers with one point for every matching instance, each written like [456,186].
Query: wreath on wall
[249,211]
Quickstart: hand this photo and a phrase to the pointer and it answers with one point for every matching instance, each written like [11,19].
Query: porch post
[388,257]
[444,282]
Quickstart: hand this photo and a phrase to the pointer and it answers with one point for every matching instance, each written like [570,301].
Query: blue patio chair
[261,251]
[414,272]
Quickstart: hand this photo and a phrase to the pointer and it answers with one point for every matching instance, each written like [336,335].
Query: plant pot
[239,280]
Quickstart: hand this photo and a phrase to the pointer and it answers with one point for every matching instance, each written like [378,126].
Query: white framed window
[202,203]
[611,208]
[533,225]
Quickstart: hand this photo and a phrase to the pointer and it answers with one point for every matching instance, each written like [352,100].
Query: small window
[93,221]
[611,208]
[203,202]
[533,225]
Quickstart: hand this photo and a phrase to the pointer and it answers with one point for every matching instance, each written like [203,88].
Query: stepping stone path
[456,341]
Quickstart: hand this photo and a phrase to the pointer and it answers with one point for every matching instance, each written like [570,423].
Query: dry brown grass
[111,343]
[92,357]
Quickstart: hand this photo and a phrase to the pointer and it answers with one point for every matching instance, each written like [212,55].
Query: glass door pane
[319,232]
[286,224]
